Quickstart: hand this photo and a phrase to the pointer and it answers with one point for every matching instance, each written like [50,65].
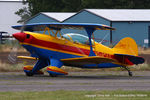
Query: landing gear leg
[129,72]
[41,63]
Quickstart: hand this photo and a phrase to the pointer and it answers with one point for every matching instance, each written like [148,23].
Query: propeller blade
[23,27]
[12,57]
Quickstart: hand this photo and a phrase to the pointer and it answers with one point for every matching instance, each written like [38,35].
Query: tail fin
[126,46]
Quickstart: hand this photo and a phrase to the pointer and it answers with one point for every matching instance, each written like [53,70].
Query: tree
[24,13]
[36,6]
[71,5]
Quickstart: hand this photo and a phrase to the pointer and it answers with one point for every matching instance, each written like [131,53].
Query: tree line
[36,6]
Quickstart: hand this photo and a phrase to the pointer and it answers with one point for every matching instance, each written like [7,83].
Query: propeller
[12,57]
[23,27]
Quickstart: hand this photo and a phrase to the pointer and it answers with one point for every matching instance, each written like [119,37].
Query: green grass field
[76,95]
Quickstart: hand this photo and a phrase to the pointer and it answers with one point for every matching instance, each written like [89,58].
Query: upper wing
[59,26]
[86,60]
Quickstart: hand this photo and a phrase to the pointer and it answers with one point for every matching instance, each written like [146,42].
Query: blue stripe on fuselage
[44,53]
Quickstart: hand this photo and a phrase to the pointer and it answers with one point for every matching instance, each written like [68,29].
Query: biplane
[52,49]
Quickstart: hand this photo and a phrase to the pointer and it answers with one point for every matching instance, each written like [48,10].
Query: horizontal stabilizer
[130,59]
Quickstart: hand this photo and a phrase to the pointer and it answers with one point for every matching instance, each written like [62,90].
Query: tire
[53,75]
[29,73]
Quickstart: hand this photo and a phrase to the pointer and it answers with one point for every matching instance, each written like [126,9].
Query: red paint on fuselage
[20,36]
[47,44]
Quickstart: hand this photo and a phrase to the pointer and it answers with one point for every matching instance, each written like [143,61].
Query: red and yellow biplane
[51,49]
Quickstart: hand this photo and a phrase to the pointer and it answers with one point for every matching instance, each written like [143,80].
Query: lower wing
[27,57]
[77,62]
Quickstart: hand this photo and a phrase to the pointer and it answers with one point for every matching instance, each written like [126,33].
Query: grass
[10,45]
[5,67]
[76,95]
[144,51]
[141,67]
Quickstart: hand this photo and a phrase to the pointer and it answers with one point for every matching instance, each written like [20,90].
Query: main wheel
[53,75]
[29,73]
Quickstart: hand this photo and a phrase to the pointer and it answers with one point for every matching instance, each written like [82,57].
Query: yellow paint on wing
[27,57]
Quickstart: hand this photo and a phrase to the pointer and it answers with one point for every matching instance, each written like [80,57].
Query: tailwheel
[129,72]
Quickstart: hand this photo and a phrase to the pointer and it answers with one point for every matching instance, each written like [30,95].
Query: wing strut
[90,31]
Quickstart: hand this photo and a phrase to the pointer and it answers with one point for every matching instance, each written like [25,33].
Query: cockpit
[77,38]
[73,37]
